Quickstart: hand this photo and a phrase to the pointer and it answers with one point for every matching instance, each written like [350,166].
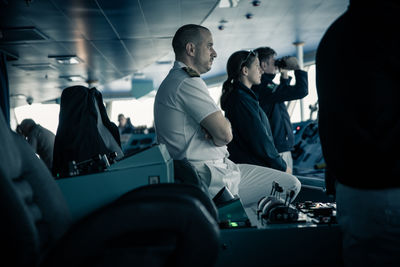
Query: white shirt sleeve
[195,99]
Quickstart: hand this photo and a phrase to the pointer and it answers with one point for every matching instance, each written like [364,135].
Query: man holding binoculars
[272,97]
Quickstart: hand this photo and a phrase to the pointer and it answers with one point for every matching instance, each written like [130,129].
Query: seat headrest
[78,137]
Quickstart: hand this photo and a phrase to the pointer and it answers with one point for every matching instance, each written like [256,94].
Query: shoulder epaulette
[191,72]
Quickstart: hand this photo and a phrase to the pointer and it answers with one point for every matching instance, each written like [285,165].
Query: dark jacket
[252,138]
[77,137]
[42,141]
[272,98]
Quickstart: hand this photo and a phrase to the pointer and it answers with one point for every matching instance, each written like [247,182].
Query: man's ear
[263,65]
[190,49]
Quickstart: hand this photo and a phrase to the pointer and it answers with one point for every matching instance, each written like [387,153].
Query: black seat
[164,190]
[84,130]
[160,225]
[186,173]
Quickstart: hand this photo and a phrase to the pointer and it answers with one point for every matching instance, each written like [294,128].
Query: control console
[286,233]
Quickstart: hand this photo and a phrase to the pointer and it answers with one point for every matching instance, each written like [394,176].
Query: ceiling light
[35,67]
[67,60]
[76,78]
[21,34]
[228,3]
[73,78]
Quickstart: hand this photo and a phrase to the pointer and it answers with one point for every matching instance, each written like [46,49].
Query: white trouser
[287,157]
[250,182]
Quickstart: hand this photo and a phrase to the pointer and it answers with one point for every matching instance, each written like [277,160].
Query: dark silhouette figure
[357,82]
[40,138]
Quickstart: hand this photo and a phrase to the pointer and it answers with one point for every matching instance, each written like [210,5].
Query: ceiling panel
[115,38]
[275,23]
[129,22]
[86,18]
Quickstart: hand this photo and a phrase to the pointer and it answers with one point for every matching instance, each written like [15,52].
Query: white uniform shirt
[181,103]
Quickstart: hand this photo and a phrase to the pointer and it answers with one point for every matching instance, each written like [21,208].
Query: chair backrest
[165,190]
[34,214]
[186,173]
[105,133]
[154,225]
[78,137]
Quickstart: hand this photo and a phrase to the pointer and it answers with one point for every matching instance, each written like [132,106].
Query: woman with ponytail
[252,137]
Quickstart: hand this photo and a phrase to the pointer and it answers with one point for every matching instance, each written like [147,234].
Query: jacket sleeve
[32,140]
[256,134]
[287,92]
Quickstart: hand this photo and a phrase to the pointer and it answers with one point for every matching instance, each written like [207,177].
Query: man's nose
[214,53]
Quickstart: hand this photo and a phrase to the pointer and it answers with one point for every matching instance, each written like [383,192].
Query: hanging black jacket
[272,98]
[77,135]
[252,138]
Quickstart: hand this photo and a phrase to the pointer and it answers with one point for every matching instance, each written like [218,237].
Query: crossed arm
[217,128]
